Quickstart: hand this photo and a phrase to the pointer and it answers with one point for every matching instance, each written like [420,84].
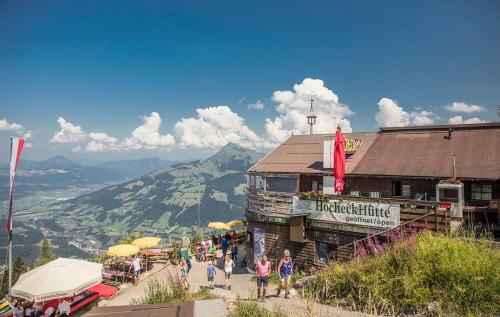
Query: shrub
[169,292]
[450,274]
[250,308]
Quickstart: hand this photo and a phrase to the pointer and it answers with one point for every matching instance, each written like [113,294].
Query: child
[184,273]
[228,270]
[211,274]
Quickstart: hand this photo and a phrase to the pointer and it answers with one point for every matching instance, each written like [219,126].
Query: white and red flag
[16,148]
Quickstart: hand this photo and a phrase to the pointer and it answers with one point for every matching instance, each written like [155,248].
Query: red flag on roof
[17,145]
[339,161]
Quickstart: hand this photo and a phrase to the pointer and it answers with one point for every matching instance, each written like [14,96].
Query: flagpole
[10,232]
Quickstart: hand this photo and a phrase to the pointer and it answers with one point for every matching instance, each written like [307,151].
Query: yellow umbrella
[123,250]
[235,223]
[218,226]
[146,242]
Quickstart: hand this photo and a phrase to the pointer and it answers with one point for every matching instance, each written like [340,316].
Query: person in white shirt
[49,311]
[136,264]
[18,310]
[63,309]
[37,309]
[28,312]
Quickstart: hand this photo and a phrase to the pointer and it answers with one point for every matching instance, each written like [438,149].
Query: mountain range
[166,202]
[184,195]
[59,172]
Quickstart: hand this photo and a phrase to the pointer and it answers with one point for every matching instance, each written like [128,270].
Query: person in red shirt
[262,272]
[234,235]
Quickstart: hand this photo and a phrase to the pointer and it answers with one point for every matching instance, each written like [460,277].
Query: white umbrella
[59,278]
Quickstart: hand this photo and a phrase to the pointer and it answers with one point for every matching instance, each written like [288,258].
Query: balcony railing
[269,202]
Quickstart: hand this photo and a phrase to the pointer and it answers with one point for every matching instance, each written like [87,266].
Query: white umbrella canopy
[59,278]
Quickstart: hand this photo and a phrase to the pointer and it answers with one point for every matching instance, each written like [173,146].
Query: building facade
[291,203]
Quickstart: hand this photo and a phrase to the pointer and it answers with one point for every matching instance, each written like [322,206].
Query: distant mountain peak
[231,154]
[58,161]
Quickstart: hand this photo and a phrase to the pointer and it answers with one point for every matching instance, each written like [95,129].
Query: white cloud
[460,120]
[101,142]
[15,127]
[68,133]
[293,107]
[258,105]
[390,114]
[464,107]
[147,136]
[215,127]
[102,137]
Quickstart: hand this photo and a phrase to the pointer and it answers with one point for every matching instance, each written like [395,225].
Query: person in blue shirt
[211,274]
[225,245]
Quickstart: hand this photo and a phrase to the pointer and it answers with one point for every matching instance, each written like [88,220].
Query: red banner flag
[339,161]
[17,145]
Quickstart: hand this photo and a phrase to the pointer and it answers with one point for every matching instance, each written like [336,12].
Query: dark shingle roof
[427,152]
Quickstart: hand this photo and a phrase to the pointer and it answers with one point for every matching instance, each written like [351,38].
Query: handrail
[387,230]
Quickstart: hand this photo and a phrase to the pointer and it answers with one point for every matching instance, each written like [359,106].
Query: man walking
[262,272]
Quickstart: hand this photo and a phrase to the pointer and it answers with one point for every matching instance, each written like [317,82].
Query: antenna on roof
[311,118]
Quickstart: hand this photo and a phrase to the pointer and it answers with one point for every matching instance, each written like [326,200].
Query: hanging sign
[354,212]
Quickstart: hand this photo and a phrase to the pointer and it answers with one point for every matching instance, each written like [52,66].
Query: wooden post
[435,219]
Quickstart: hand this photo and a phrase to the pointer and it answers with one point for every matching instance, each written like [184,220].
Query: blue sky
[107,66]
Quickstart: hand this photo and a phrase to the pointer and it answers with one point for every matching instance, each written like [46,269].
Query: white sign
[367,213]
[259,244]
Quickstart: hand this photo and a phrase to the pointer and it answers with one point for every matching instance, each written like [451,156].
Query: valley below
[168,202]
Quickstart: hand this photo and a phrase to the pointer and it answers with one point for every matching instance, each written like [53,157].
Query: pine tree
[46,253]
[19,268]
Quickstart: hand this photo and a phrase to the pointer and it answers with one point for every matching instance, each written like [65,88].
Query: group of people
[228,243]
[36,310]
[263,272]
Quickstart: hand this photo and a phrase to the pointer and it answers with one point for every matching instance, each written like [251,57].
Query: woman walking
[285,269]
[228,270]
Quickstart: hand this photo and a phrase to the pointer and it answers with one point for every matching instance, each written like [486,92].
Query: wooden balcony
[269,202]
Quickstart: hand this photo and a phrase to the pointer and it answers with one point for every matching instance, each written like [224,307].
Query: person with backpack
[285,269]
[211,274]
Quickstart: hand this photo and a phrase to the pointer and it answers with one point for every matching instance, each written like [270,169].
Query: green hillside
[181,196]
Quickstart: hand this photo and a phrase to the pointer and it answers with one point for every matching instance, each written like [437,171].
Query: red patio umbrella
[339,161]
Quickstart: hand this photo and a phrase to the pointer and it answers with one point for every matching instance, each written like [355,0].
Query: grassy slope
[449,274]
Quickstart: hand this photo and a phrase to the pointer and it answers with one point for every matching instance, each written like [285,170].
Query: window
[406,190]
[281,184]
[259,182]
[480,192]
[374,194]
[355,193]
[326,251]
[449,195]
[314,186]
[396,188]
